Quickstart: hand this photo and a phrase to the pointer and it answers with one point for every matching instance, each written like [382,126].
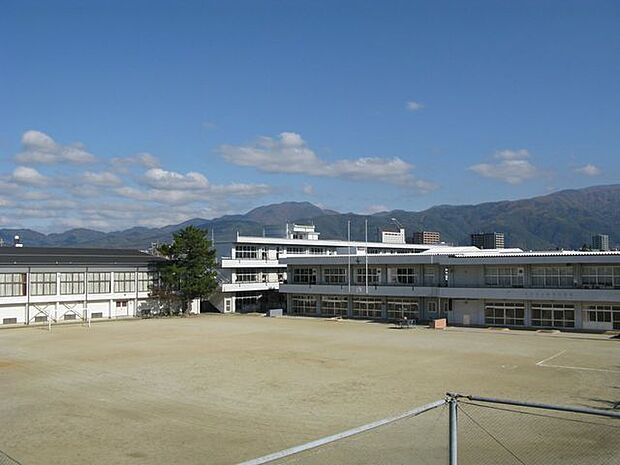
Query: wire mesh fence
[6,460]
[495,433]
[488,432]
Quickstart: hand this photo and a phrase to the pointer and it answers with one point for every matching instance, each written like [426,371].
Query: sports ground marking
[543,363]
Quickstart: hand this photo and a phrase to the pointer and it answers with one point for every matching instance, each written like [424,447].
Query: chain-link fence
[484,432]
[6,460]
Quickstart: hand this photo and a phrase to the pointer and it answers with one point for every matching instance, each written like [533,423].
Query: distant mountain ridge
[564,219]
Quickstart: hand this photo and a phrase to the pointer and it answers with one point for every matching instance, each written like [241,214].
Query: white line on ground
[543,363]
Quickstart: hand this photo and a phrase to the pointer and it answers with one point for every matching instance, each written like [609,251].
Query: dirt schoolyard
[220,389]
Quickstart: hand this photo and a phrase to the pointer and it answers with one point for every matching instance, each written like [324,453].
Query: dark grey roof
[25,256]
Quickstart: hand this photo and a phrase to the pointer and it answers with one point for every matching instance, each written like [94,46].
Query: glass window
[367,307]
[503,276]
[43,283]
[552,315]
[335,275]
[71,283]
[125,281]
[246,251]
[247,276]
[600,276]
[99,282]
[397,309]
[405,275]
[552,276]
[147,280]
[304,276]
[303,305]
[12,284]
[334,305]
[504,313]
[374,275]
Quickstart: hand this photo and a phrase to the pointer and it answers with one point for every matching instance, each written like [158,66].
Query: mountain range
[564,219]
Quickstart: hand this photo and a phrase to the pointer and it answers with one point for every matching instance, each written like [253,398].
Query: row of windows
[338,275]
[14,284]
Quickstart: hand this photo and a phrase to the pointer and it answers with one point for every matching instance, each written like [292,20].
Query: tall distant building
[426,237]
[494,240]
[600,242]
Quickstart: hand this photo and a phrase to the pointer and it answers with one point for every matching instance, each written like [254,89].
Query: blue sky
[123,113]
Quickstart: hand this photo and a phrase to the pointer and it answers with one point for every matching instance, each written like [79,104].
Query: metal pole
[345,434]
[349,254]
[560,408]
[366,228]
[452,401]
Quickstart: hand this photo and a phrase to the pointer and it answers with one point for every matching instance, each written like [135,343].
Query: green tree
[189,272]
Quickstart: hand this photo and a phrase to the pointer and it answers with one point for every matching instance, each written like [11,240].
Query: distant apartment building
[600,242]
[492,240]
[426,237]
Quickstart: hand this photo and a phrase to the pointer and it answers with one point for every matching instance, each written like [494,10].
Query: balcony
[250,263]
[250,286]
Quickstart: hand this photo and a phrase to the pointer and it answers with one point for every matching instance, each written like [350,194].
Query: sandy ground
[219,389]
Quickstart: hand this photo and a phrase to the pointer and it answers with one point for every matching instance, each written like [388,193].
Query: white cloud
[170,180]
[414,106]
[39,148]
[103,178]
[289,153]
[308,189]
[589,170]
[143,159]
[513,167]
[28,176]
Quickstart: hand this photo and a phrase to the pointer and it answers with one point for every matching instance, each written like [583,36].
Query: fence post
[453,404]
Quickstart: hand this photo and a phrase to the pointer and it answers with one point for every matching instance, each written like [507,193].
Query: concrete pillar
[350,306]
[579,315]
[528,314]
[384,308]
[318,305]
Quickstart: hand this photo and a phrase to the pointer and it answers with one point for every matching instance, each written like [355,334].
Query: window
[335,275]
[303,305]
[246,251]
[600,276]
[9,321]
[368,307]
[96,315]
[295,251]
[503,276]
[99,283]
[125,281]
[317,251]
[334,305]
[504,313]
[147,280]
[69,316]
[603,313]
[553,315]
[12,284]
[398,309]
[552,276]
[40,318]
[43,283]
[374,275]
[72,283]
[304,276]
[405,275]
[430,278]
[121,304]
[247,276]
